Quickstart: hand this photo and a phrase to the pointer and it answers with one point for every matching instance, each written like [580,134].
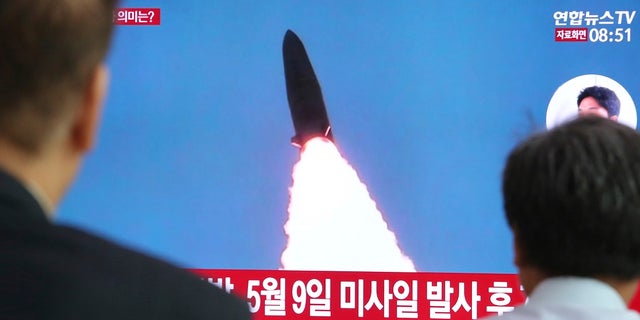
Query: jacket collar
[18,207]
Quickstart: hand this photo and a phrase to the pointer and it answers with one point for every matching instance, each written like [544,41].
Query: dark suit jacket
[56,272]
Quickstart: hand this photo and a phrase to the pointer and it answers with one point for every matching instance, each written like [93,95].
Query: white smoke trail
[333,222]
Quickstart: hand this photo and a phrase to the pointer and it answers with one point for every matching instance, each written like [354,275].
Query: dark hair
[606,98]
[48,49]
[572,197]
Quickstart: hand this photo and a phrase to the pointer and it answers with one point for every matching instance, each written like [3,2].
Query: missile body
[308,111]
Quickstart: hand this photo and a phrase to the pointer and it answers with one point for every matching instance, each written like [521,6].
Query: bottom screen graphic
[282,294]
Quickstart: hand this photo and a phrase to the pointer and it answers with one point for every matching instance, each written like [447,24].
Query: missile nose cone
[292,47]
[290,35]
[296,61]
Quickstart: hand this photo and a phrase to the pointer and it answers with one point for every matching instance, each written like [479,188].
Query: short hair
[606,98]
[48,50]
[572,197]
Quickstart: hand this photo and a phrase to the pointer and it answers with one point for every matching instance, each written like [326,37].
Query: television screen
[425,99]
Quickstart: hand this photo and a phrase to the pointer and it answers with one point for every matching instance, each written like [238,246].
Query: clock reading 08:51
[606,35]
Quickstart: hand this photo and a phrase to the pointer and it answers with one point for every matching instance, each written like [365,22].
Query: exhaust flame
[333,222]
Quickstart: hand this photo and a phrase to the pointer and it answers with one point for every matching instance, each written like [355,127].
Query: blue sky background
[425,97]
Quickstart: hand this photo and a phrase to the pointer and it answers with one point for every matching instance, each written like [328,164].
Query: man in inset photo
[598,101]
[596,95]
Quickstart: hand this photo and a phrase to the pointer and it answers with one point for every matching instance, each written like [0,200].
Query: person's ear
[614,118]
[518,259]
[85,126]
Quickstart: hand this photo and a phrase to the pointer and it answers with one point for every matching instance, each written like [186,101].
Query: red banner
[277,294]
[571,34]
[137,16]
[635,302]
[369,295]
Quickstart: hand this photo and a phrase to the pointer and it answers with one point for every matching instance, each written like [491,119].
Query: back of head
[48,50]
[605,97]
[572,198]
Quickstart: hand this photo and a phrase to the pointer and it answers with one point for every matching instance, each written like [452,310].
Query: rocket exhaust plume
[333,223]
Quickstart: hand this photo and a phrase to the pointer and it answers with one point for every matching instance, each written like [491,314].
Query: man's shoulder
[561,312]
[150,277]
[78,268]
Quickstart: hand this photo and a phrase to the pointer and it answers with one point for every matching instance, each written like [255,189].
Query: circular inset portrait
[591,94]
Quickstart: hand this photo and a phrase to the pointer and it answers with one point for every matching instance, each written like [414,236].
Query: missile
[308,111]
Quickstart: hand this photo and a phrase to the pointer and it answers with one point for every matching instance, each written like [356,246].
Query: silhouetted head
[52,85]
[572,199]
[49,52]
